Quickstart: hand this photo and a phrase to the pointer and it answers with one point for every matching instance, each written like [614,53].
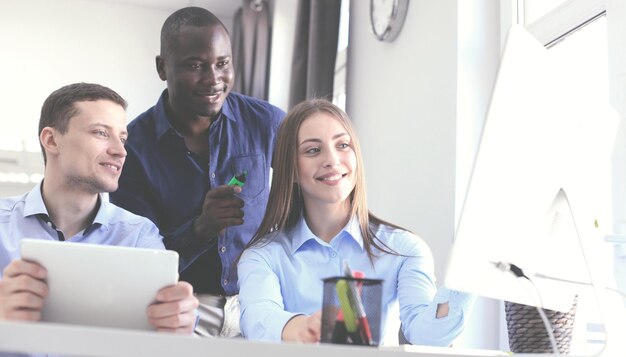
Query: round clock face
[387,17]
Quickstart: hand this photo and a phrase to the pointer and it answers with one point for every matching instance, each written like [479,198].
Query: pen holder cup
[351,311]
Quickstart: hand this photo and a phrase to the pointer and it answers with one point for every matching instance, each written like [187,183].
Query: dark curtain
[315,50]
[251,48]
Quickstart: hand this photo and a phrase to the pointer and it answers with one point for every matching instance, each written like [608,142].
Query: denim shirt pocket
[256,180]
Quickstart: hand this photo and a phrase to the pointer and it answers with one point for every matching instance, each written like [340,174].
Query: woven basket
[527,333]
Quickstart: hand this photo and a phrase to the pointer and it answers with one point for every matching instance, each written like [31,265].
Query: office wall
[418,104]
[402,98]
[47,44]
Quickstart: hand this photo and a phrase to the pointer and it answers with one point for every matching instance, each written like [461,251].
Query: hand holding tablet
[98,285]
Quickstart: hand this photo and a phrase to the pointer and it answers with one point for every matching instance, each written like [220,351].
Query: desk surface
[100,342]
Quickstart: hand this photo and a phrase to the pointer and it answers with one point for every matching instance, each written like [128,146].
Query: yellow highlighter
[349,317]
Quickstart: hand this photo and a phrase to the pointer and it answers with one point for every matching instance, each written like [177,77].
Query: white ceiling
[221,8]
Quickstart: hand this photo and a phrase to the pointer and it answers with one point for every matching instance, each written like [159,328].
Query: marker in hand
[238,180]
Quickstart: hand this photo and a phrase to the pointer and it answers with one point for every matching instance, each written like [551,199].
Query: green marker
[238,180]
[349,317]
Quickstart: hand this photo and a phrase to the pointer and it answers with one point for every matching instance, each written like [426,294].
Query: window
[339,82]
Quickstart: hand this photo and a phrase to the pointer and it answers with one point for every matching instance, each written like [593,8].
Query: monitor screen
[518,207]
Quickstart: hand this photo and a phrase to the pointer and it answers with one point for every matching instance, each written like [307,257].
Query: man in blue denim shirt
[182,153]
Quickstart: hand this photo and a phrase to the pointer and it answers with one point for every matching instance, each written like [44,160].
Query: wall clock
[387,18]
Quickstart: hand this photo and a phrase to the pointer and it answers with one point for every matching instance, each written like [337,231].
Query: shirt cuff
[280,323]
[458,302]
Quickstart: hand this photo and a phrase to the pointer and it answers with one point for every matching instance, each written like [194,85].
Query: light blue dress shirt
[283,278]
[27,217]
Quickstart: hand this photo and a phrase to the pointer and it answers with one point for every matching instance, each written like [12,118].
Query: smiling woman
[317,220]
[326,164]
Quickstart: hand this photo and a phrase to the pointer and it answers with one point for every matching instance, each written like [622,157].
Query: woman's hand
[303,329]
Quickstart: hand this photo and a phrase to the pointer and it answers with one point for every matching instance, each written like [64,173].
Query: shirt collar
[163,125]
[301,234]
[105,210]
[228,110]
[34,205]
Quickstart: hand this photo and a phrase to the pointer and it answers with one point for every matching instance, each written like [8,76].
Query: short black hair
[188,16]
[59,107]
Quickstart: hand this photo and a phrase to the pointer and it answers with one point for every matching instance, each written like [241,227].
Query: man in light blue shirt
[82,134]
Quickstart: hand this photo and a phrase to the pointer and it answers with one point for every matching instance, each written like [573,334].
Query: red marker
[364,326]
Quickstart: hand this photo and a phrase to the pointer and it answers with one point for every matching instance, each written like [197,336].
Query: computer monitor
[517,210]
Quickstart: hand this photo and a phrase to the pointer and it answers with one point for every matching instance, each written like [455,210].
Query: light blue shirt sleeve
[427,329]
[418,299]
[263,316]
[149,236]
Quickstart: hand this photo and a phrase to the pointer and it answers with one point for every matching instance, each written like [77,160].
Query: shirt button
[49,224]
[225,281]
[213,175]
[189,153]
[333,254]
[222,249]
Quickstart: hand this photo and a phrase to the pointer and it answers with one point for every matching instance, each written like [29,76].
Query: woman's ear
[48,141]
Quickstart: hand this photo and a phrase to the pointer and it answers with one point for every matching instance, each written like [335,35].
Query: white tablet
[99,285]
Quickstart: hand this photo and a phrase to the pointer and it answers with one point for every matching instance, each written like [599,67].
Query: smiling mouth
[336,177]
[115,168]
[212,96]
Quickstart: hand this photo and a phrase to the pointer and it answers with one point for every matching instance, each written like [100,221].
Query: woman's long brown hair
[285,206]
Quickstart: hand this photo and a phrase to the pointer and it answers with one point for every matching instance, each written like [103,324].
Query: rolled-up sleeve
[427,329]
[418,297]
